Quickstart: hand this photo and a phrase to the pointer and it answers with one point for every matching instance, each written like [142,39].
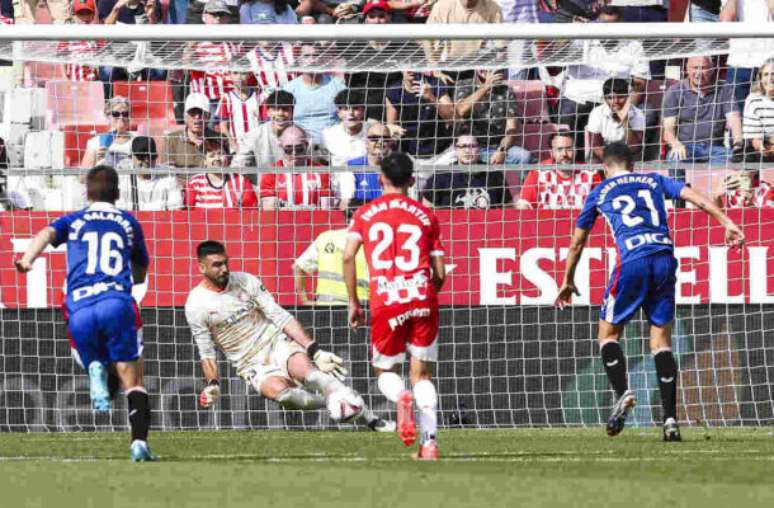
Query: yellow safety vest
[330,276]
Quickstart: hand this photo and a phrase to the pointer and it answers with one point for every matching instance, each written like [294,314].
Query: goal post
[507,356]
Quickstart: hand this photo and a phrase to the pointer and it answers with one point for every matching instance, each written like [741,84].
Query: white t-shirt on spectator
[116,152]
[601,122]
[583,82]
[153,194]
[343,146]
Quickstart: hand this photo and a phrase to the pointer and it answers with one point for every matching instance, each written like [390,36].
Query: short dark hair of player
[398,168]
[102,184]
[351,208]
[560,134]
[349,98]
[615,86]
[279,99]
[208,248]
[618,154]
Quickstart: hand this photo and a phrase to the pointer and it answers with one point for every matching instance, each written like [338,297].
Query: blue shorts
[109,331]
[647,282]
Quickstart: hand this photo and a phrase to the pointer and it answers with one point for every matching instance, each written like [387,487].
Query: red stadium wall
[495,257]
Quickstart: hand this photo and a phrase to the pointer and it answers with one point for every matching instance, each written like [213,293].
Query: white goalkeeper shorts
[272,361]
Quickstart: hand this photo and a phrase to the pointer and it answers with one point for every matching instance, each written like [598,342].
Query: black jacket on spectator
[463,189]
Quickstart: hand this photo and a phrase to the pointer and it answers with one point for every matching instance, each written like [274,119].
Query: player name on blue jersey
[634,206]
[103,243]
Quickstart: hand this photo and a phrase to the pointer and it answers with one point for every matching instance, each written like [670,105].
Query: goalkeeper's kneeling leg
[296,398]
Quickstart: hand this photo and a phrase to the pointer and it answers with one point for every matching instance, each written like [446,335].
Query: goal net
[264,140]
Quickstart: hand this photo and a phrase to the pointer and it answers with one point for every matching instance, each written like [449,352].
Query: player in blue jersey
[106,254]
[633,205]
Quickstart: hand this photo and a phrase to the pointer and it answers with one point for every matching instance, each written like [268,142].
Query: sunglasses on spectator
[469,146]
[376,139]
[294,149]
[119,114]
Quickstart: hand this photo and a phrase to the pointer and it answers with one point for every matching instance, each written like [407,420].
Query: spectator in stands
[84,13]
[467,187]
[704,11]
[314,93]
[10,200]
[519,11]
[347,139]
[217,189]
[615,120]
[758,119]
[6,12]
[212,83]
[238,112]
[563,187]
[742,189]
[129,12]
[422,106]
[151,191]
[261,148]
[267,12]
[194,12]
[287,189]
[460,11]
[642,11]
[25,11]
[582,86]
[111,147]
[364,186]
[568,11]
[324,257]
[269,62]
[185,147]
[375,84]
[744,55]
[488,102]
[696,112]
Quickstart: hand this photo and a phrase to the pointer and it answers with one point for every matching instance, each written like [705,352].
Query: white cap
[197,101]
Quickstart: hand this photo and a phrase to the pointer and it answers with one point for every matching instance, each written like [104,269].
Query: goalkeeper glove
[210,394]
[737,181]
[327,362]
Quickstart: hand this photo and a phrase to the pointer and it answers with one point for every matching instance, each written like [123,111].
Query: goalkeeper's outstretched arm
[734,235]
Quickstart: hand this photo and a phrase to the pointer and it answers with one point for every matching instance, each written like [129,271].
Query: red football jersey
[399,235]
[296,190]
[548,189]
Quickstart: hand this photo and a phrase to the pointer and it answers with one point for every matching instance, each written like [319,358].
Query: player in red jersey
[402,243]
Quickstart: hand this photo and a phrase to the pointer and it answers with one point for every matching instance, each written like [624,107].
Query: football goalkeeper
[268,347]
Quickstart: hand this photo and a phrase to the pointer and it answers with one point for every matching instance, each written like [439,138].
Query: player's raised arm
[356,314]
[734,235]
[43,239]
[577,244]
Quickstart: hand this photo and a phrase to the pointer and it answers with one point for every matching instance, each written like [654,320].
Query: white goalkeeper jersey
[241,320]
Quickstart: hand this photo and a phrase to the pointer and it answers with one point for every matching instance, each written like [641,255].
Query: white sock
[296,398]
[391,385]
[323,383]
[426,399]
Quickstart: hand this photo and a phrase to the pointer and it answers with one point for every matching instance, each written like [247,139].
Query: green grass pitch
[729,468]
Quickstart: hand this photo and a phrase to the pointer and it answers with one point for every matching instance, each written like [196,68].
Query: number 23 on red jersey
[399,236]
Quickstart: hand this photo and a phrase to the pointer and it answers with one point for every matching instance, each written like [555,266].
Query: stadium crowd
[718,111]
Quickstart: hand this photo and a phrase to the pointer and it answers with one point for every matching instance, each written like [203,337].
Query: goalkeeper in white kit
[266,345]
